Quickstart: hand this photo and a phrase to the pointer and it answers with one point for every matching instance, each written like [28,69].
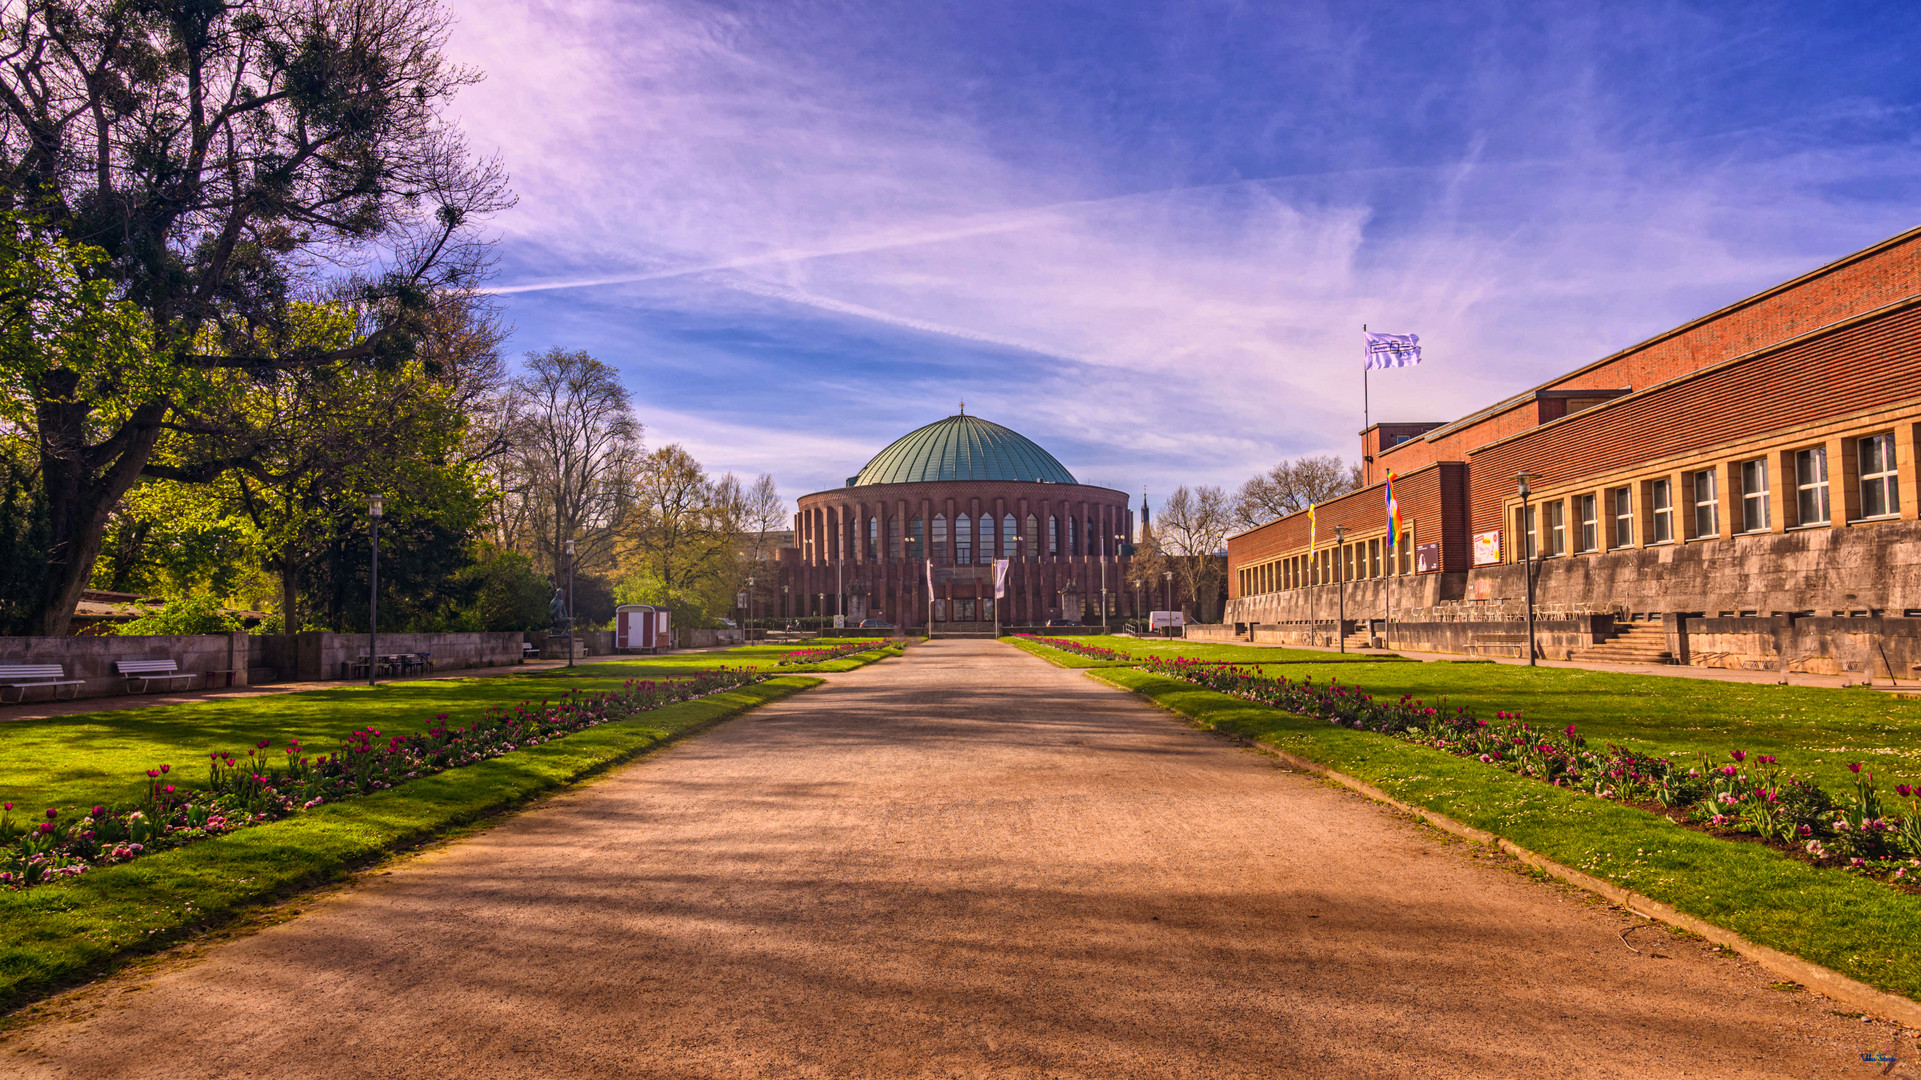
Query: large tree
[1192,530]
[227,158]
[1290,486]
[574,454]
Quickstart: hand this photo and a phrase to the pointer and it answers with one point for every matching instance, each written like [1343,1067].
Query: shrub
[184,615]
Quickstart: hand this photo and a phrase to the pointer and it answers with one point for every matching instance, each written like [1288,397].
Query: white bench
[148,672]
[24,677]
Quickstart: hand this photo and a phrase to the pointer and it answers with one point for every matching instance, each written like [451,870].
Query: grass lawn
[1859,927]
[1815,731]
[60,933]
[1142,648]
[102,757]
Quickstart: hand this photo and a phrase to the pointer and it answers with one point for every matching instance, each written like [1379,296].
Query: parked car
[1062,622]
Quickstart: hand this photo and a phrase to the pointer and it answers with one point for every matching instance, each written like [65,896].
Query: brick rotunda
[959,494]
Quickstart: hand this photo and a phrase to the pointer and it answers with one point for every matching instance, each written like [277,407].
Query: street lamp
[784,603]
[747,627]
[1340,587]
[374,508]
[1169,576]
[1527,555]
[570,603]
[1137,604]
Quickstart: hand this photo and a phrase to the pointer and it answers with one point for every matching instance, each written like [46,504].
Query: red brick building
[1756,463]
[951,498]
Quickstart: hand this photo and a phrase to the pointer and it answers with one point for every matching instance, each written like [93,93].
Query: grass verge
[56,935]
[1135,650]
[1857,927]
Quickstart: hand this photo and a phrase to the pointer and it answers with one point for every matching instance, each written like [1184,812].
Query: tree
[683,528]
[1290,486]
[226,160]
[763,515]
[1192,530]
[574,456]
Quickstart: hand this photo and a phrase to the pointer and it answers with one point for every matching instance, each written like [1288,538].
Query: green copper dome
[962,447]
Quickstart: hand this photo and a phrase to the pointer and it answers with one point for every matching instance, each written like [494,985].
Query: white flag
[1000,578]
[1391,350]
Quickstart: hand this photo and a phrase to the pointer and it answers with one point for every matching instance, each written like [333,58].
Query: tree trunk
[289,596]
[83,483]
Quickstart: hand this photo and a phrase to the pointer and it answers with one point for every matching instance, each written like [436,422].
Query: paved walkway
[961,863]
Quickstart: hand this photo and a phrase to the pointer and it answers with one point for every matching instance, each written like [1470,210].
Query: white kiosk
[641,628]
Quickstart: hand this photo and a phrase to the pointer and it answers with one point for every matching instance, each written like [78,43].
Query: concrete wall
[317,655]
[1878,647]
[92,658]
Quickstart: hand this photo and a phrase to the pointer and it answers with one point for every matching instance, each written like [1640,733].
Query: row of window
[1606,520]
[975,540]
[1358,561]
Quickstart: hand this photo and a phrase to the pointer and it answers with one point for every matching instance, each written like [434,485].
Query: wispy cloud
[1149,243]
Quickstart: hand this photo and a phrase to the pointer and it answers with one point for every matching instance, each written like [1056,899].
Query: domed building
[953,497]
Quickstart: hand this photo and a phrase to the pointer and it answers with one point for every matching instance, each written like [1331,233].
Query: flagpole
[1366,421]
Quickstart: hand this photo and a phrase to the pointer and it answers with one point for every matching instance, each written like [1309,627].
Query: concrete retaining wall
[318,655]
[92,658]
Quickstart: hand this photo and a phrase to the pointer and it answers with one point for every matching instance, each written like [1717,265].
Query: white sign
[740,600]
[1487,548]
[1161,620]
[1000,578]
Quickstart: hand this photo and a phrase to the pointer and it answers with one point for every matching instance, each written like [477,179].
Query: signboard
[740,600]
[1427,558]
[1487,548]
[1161,620]
[840,622]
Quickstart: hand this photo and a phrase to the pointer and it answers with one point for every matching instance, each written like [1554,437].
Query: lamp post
[1137,604]
[784,603]
[1340,584]
[1527,555]
[1168,575]
[747,625]
[570,603]
[374,508]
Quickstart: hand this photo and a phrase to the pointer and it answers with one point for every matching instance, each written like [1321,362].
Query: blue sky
[1147,234]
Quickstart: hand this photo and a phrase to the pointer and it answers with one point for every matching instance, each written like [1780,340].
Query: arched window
[1096,543]
[1009,543]
[1073,537]
[986,547]
[963,538]
[916,539]
[873,538]
[893,538]
[1053,535]
[1033,537]
[940,538]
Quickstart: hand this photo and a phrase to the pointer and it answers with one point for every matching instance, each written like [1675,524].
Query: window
[1053,535]
[1033,537]
[1584,510]
[916,548]
[1529,549]
[893,538]
[1811,486]
[1096,544]
[963,538]
[1556,539]
[1010,544]
[940,537]
[873,538]
[1754,496]
[1880,493]
[1707,507]
[1347,562]
[1623,517]
[1073,536]
[1661,502]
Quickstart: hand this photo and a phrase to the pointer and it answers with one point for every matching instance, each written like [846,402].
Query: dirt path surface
[961,863]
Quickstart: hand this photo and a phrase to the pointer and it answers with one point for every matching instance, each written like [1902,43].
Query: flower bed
[1853,831]
[243,790]
[1092,652]
[833,652]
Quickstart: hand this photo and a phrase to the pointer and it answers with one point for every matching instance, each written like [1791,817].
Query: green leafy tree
[225,160]
[184,615]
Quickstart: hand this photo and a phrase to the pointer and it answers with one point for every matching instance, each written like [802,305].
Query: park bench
[24,677]
[148,672]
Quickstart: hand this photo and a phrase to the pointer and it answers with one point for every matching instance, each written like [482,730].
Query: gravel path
[961,863]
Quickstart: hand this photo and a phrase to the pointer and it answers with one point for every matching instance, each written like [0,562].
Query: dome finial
[963,408]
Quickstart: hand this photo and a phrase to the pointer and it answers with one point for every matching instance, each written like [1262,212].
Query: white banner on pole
[1000,578]
[1391,350]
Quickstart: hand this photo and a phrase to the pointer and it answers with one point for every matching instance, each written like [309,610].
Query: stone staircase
[1359,639]
[1637,643]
